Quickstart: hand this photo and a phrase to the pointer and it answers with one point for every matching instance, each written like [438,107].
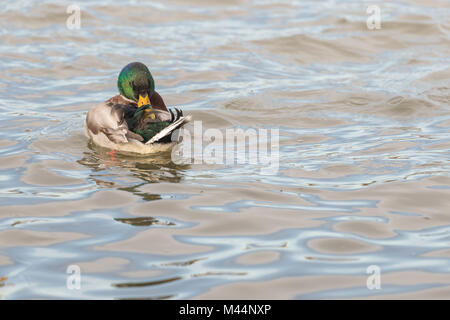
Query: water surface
[364,177]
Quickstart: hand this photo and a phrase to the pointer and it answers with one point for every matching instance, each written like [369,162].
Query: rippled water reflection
[364,151]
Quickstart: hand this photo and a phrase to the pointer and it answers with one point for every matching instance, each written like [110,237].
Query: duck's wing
[109,118]
[154,115]
[154,124]
[169,129]
[157,102]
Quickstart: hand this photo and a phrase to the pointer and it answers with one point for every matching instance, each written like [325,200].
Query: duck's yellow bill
[143,100]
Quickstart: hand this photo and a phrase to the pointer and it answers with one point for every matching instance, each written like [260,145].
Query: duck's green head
[136,83]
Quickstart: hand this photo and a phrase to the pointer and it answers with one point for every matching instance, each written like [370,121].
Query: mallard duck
[133,116]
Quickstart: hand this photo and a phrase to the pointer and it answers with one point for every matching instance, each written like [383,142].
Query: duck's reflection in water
[144,221]
[129,172]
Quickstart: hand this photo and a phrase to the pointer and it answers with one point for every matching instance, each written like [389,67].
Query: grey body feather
[109,118]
